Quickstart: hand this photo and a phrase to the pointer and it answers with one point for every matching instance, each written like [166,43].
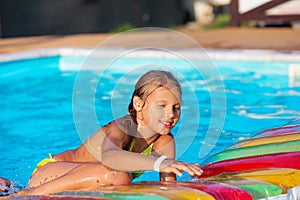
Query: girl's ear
[138,103]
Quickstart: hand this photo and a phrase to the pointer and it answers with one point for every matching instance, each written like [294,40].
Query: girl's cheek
[178,114]
[155,112]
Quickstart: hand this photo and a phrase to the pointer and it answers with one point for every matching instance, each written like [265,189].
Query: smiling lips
[167,124]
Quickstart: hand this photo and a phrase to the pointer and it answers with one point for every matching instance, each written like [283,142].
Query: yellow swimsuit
[44,162]
[146,152]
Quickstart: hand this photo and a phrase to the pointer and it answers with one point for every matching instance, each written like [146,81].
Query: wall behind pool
[46,17]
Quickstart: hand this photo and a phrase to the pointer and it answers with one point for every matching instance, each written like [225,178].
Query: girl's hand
[176,167]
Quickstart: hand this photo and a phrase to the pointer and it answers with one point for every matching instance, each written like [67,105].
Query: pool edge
[214,54]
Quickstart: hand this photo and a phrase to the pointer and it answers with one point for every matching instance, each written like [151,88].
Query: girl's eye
[161,105]
[176,108]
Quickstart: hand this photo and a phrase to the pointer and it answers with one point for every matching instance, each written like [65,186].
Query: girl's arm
[165,145]
[118,159]
[170,168]
[106,147]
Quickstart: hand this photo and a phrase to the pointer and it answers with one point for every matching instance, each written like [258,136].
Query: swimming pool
[38,101]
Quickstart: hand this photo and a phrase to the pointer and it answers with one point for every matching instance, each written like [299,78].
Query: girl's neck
[137,131]
[145,131]
[144,142]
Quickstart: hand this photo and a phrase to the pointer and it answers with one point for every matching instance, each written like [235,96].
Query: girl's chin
[164,131]
[147,131]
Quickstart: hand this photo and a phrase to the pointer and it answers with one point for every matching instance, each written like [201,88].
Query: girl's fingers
[178,167]
[183,167]
[177,172]
[197,169]
[191,169]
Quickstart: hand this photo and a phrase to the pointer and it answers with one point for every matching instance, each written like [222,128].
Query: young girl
[121,149]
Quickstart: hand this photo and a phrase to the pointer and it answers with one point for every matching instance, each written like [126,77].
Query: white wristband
[158,162]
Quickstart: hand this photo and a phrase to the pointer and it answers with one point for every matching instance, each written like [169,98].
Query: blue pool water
[37,108]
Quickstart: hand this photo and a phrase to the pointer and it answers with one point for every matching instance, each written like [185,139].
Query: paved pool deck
[282,39]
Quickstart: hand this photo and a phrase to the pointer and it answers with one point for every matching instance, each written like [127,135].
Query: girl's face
[161,111]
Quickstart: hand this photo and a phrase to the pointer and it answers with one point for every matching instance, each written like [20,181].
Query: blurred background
[61,17]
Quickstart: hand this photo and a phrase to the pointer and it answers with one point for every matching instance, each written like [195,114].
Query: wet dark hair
[149,82]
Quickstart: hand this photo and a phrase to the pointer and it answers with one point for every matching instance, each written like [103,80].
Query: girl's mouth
[167,124]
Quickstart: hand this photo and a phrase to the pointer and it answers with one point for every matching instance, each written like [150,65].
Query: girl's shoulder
[120,129]
[164,139]
[123,125]
[165,145]
[169,136]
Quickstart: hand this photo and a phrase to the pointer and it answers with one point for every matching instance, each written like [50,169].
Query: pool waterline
[245,110]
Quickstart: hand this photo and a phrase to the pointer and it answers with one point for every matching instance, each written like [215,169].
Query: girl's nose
[170,113]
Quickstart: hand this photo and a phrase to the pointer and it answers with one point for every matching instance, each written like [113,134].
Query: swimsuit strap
[131,145]
[146,152]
